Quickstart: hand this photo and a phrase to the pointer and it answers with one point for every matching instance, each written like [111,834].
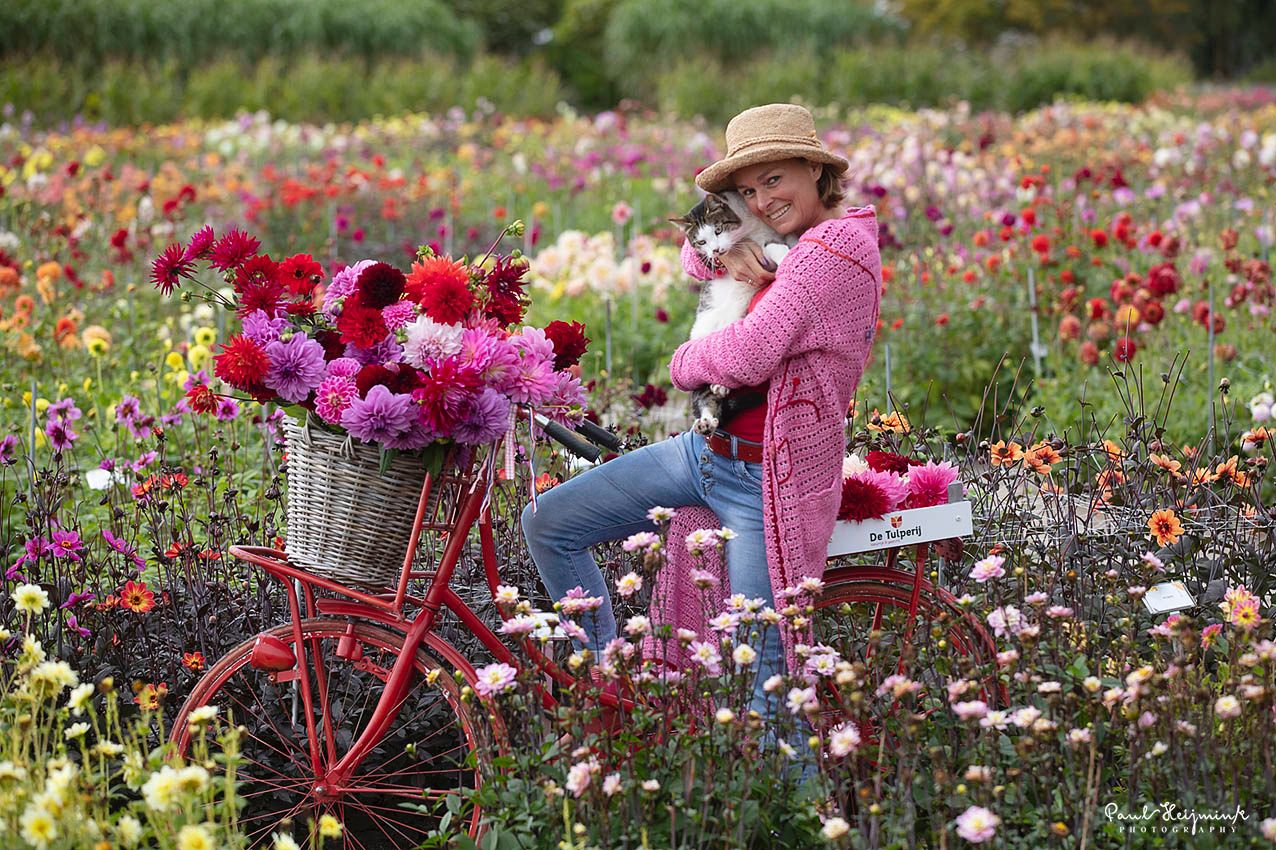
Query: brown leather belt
[721,443]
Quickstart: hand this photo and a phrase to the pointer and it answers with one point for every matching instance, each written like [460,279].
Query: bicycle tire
[956,643]
[436,746]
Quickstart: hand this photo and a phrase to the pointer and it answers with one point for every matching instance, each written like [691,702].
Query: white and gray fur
[715,225]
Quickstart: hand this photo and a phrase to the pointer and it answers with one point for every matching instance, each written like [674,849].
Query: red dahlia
[233,250]
[569,341]
[862,500]
[201,243]
[266,295]
[889,462]
[301,274]
[170,267]
[202,399]
[1163,279]
[372,375]
[242,363]
[256,271]
[445,393]
[1124,349]
[331,342]
[379,286]
[362,326]
[506,276]
[506,309]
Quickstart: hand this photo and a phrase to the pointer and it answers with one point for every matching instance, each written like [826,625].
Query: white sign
[1167,596]
[902,528]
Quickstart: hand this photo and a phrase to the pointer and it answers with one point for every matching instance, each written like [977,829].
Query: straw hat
[766,134]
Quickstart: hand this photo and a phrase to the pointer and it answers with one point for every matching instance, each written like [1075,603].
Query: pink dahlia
[344,367]
[332,398]
[296,367]
[398,314]
[928,484]
[895,487]
[485,418]
[494,358]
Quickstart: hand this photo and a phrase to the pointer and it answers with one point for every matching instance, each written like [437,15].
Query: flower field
[1076,321]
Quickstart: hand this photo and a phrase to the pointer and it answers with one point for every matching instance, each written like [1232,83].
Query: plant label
[1167,596]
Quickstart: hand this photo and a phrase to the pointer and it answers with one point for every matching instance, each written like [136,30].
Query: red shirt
[748,423]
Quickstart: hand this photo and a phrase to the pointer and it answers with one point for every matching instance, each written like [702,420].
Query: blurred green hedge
[308,89]
[135,61]
[644,37]
[920,75]
[191,33]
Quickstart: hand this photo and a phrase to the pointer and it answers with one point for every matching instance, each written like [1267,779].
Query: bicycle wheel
[863,614]
[394,800]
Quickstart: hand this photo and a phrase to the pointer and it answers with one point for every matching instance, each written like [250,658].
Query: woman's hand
[746,263]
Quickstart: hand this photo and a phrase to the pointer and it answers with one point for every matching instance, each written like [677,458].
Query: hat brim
[717,177]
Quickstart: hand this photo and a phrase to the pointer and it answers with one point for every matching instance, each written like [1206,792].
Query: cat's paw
[776,251]
[706,425]
[719,390]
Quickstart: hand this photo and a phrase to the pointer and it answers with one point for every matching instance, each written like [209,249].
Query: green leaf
[385,458]
[1078,667]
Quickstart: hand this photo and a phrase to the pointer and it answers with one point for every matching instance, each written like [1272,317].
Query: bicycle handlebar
[599,435]
[569,439]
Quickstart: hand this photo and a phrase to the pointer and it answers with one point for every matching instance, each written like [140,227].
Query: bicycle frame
[417,629]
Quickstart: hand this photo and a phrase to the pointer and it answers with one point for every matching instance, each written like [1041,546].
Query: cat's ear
[682,221]
[714,202]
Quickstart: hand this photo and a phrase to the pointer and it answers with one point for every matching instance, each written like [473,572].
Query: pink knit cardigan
[810,338]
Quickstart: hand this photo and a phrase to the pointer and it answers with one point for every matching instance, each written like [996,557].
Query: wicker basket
[348,520]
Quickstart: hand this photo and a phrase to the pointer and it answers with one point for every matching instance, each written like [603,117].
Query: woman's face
[783,193]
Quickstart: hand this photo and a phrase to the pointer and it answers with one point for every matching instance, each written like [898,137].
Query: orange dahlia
[1003,455]
[1165,527]
[442,287]
[136,597]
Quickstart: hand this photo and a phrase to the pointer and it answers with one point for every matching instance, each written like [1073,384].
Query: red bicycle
[354,707]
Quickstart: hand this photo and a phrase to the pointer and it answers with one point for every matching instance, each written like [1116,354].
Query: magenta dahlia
[928,484]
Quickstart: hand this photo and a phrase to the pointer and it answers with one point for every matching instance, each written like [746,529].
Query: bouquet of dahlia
[400,360]
[883,482]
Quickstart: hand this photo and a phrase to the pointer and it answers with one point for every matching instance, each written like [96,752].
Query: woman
[772,476]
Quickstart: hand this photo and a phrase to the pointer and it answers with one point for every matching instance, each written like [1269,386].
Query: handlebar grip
[599,435]
[569,439]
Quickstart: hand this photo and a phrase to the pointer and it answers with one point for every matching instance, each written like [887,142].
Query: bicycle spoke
[379,822]
[277,772]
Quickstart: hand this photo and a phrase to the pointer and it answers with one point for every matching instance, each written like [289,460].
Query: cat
[713,226]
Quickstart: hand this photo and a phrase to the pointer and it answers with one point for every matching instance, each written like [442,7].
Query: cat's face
[711,227]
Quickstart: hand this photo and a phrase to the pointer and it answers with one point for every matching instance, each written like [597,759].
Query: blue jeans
[610,502]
